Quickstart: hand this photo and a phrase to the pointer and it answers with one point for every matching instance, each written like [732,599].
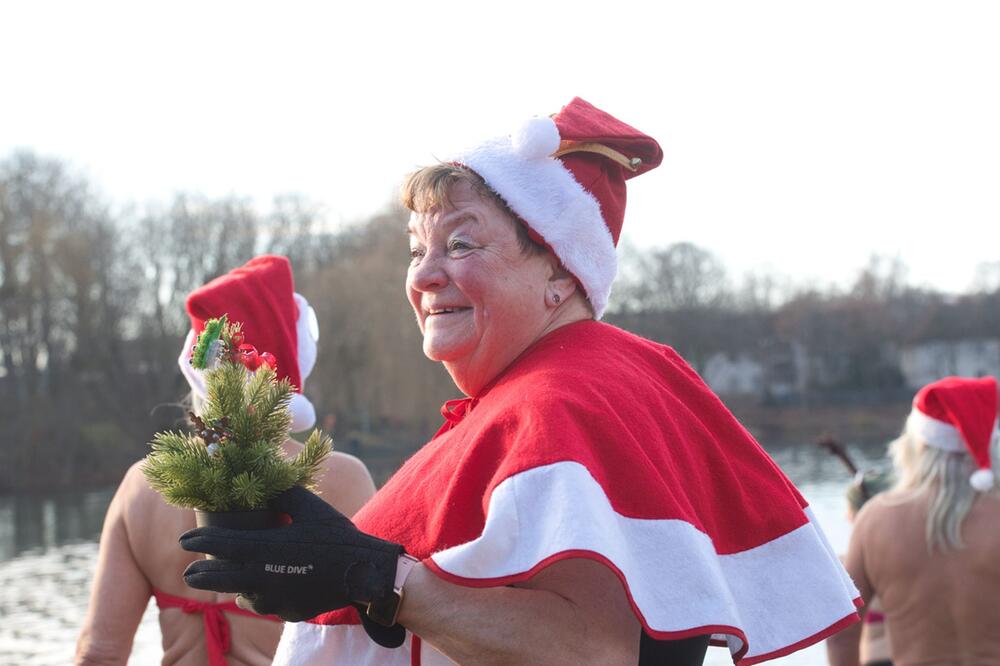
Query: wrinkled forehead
[461,204]
[442,220]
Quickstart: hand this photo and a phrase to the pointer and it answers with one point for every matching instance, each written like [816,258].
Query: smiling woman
[589,501]
[479,297]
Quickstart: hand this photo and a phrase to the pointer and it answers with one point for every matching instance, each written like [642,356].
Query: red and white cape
[597,443]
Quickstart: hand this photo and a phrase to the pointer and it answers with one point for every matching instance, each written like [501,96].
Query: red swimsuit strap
[217,631]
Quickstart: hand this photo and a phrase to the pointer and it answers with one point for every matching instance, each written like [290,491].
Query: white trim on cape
[763,602]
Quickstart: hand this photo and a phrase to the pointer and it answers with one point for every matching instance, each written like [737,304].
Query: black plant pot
[260,519]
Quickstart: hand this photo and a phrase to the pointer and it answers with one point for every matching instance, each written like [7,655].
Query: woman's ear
[560,287]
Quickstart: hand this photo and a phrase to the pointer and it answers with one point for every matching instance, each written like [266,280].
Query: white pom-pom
[982,480]
[536,138]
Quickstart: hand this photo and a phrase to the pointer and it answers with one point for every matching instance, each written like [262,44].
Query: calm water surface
[48,550]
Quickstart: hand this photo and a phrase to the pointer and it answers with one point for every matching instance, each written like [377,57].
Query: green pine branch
[309,462]
[247,466]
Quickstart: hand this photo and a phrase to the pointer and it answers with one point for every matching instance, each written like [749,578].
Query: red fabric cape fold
[651,433]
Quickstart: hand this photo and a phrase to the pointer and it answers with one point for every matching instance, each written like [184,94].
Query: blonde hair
[429,189]
[944,476]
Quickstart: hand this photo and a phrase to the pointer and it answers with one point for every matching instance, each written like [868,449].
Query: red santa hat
[956,414]
[564,176]
[261,296]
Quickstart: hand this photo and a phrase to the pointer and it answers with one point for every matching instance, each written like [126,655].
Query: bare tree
[372,372]
[682,276]
[986,279]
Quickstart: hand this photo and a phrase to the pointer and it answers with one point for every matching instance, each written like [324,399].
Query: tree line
[92,319]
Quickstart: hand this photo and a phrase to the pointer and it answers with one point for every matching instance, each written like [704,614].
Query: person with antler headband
[139,556]
[590,500]
[929,547]
[873,647]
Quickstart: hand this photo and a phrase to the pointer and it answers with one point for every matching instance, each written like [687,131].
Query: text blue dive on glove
[318,563]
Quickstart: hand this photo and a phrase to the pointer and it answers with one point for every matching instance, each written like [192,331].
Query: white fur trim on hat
[195,378]
[307,333]
[936,433]
[547,196]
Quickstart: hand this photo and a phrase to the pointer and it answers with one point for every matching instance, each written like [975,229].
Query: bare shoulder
[891,522]
[346,483]
[144,512]
[134,491]
[345,463]
[879,509]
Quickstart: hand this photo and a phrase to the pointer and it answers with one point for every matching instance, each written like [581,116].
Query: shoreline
[773,426]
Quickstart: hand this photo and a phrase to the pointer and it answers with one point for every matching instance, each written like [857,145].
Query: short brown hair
[428,189]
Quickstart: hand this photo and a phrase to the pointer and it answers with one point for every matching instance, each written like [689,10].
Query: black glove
[318,563]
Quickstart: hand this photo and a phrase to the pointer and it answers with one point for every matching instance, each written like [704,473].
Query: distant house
[928,361]
[734,375]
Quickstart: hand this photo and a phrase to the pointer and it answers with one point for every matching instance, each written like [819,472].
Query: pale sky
[800,137]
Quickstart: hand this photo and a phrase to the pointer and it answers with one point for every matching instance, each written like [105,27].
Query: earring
[555,298]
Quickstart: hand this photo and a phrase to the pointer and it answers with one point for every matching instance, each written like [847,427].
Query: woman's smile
[437,312]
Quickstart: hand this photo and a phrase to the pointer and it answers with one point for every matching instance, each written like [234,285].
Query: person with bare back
[930,547]
[139,554]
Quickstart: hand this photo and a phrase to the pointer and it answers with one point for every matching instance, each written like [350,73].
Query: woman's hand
[320,562]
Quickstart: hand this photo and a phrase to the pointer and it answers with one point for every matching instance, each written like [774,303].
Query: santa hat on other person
[261,296]
[564,176]
[956,414]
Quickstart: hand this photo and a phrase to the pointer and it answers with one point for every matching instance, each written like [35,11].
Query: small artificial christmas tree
[234,460]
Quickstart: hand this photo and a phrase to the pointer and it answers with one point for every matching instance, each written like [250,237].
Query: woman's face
[479,300]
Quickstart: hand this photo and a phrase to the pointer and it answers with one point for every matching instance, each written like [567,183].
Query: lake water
[48,550]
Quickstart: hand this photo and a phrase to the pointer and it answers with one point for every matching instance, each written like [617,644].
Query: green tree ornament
[233,461]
